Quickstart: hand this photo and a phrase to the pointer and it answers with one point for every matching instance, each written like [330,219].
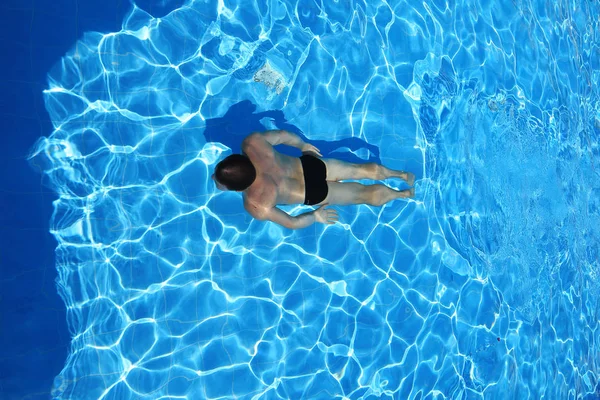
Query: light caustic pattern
[484,286]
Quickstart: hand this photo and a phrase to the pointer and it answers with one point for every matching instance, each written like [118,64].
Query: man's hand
[309,148]
[326,215]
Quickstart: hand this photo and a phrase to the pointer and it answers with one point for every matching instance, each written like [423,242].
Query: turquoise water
[484,286]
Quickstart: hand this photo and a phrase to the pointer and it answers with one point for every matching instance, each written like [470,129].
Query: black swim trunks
[315,179]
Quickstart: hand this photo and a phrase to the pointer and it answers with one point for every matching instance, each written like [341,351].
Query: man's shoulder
[255,208]
[258,150]
[257,142]
[253,138]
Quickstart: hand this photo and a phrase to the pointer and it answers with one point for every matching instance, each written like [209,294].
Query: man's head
[235,172]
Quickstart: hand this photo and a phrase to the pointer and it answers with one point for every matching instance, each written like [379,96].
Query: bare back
[279,177]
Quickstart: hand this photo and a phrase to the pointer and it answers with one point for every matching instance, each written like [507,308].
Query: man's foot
[409,178]
[406,193]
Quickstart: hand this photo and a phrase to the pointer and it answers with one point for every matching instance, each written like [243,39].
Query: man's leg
[338,170]
[346,193]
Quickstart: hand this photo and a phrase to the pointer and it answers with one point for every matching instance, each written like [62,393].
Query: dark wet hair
[236,172]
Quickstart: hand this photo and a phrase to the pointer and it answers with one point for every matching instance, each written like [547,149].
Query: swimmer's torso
[279,177]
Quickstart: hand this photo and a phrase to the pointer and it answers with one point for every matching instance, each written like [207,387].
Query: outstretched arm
[279,136]
[322,214]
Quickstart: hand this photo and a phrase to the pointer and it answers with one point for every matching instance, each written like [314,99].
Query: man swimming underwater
[268,178]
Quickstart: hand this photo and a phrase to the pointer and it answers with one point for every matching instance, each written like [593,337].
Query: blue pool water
[483,286]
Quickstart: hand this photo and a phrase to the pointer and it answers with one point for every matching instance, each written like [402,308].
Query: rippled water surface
[484,286]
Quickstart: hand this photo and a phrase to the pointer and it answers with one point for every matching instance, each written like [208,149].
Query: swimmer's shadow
[241,120]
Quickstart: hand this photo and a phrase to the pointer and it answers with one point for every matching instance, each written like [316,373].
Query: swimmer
[267,178]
